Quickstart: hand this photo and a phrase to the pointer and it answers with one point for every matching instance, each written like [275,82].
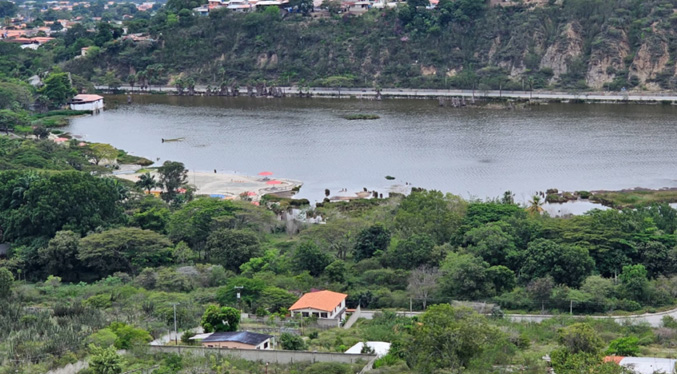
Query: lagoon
[474,153]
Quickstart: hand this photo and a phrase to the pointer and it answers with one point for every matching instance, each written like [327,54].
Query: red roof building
[321,304]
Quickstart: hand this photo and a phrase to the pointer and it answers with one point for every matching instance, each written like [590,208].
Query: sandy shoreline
[228,185]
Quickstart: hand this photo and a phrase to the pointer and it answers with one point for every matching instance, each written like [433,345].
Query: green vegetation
[633,198]
[92,249]
[570,45]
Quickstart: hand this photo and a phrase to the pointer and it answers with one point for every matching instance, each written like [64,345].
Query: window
[323,315]
[315,314]
[265,345]
[304,314]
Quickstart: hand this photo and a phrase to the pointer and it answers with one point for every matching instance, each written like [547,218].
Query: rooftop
[320,300]
[244,337]
[645,365]
[83,98]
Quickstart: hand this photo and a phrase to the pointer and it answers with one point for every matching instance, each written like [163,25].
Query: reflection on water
[470,152]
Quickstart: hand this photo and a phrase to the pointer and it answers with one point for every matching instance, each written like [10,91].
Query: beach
[228,185]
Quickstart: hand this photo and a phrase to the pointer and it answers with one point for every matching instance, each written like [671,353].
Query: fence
[280,357]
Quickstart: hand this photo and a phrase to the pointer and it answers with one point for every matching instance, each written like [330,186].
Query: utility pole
[238,296]
[176,334]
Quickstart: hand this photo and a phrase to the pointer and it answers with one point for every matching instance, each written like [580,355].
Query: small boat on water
[172,140]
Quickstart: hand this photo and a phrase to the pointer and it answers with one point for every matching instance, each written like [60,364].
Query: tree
[101,151]
[624,346]
[580,350]
[232,248]
[303,6]
[173,175]
[40,132]
[58,89]
[105,361]
[336,271]
[370,242]
[332,6]
[7,9]
[10,119]
[131,79]
[6,282]
[634,282]
[541,290]
[193,223]
[127,249]
[220,319]
[432,213]
[275,299]
[129,336]
[308,256]
[464,276]
[567,264]
[292,342]
[503,278]
[448,338]
[535,205]
[423,283]
[491,243]
[68,200]
[657,258]
[417,250]
[60,257]
[249,289]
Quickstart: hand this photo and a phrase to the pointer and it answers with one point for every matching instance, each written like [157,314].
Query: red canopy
[273,182]
[264,173]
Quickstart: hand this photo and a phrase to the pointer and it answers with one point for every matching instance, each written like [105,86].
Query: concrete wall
[233,345]
[280,357]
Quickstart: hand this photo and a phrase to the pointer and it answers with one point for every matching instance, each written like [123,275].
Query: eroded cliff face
[607,58]
[568,47]
[651,59]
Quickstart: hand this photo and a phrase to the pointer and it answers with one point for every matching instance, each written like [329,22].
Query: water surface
[470,152]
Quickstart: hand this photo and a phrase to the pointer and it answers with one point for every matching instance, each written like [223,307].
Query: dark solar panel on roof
[244,337]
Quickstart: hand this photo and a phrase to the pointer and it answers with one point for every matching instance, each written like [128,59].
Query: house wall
[337,312]
[237,345]
[93,106]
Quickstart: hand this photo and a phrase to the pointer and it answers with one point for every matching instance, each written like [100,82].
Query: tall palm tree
[20,190]
[120,189]
[535,205]
[147,182]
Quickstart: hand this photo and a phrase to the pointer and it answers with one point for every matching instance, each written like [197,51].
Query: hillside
[570,44]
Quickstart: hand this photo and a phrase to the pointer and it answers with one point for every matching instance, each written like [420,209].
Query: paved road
[430,93]
[654,319]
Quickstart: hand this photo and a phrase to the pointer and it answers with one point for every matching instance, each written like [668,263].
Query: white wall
[93,106]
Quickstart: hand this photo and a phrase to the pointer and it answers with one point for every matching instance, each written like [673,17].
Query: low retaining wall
[280,357]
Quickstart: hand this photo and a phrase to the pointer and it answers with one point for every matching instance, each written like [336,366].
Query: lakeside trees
[105,246]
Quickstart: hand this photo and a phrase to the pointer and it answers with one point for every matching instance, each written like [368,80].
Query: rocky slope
[563,44]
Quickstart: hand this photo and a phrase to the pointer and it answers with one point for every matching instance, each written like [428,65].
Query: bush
[328,368]
[102,301]
[627,346]
[628,305]
[292,342]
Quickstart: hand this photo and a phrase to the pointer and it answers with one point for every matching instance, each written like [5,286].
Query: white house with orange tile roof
[321,304]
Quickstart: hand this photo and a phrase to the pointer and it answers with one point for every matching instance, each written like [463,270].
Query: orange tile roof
[615,359]
[320,300]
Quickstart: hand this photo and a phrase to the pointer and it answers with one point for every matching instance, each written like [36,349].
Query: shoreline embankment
[635,97]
